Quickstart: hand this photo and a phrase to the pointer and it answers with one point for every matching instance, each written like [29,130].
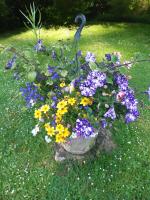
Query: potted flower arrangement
[74,96]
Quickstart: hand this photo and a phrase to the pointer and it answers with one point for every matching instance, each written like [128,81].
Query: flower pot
[79,145]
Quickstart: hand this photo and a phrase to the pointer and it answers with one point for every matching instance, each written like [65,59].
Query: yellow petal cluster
[50,130]
[71,101]
[37,114]
[86,101]
[45,108]
[62,84]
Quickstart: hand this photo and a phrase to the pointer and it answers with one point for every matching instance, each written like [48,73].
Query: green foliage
[62,12]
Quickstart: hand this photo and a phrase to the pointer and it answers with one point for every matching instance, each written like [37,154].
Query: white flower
[73,135]
[47,139]
[32,102]
[35,130]
[41,120]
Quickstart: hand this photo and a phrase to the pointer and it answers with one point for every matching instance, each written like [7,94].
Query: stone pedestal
[103,142]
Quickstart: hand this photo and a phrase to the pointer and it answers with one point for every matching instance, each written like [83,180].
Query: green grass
[28,170]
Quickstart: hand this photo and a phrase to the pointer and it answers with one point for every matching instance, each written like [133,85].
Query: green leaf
[64,73]
[49,82]
[93,66]
[114,58]
[32,76]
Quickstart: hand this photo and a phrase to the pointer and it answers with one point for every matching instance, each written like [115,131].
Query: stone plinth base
[103,142]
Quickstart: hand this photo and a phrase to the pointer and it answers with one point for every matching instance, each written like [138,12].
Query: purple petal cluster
[39,46]
[54,75]
[103,123]
[121,80]
[130,103]
[54,102]
[83,128]
[108,57]
[110,113]
[30,94]
[95,79]
[11,62]
[128,98]
[90,57]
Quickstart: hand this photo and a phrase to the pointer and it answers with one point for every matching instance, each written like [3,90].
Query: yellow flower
[37,114]
[60,128]
[58,120]
[66,132]
[62,111]
[45,108]
[62,84]
[86,101]
[60,138]
[65,97]
[72,101]
[84,115]
[61,104]
[46,126]
[50,131]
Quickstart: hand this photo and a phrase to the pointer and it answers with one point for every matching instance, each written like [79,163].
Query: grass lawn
[28,170]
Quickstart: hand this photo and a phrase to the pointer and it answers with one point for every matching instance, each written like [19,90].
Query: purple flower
[94,80]
[50,69]
[129,100]
[121,80]
[130,117]
[11,62]
[87,89]
[148,92]
[103,123]
[110,113]
[83,128]
[55,76]
[108,57]
[54,98]
[30,94]
[90,57]
[39,46]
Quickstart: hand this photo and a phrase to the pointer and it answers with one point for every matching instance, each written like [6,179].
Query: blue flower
[108,57]
[31,95]
[11,62]
[55,76]
[39,46]
[50,69]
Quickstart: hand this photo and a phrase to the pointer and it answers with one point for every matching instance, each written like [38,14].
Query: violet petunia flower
[84,128]
[90,57]
[110,113]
